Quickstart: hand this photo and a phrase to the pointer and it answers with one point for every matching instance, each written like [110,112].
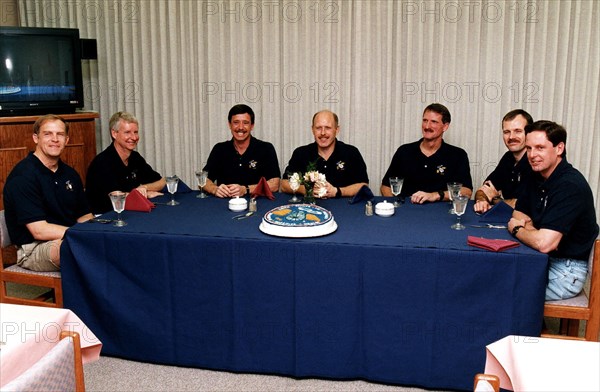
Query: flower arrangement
[309,179]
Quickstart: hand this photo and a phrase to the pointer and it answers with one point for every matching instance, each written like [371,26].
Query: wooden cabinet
[16,141]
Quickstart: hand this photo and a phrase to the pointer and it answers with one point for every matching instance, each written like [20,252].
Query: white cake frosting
[298,220]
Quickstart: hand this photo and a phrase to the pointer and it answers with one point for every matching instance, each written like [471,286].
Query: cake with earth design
[298,221]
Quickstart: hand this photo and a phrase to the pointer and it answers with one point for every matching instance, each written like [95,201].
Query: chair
[582,307]
[61,369]
[486,383]
[14,273]
[9,157]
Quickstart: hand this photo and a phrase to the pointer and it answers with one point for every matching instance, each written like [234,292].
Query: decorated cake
[298,220]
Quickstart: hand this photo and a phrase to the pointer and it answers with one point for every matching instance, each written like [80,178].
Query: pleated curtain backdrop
[180,65]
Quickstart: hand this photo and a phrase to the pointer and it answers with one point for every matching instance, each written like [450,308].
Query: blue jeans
[566,278]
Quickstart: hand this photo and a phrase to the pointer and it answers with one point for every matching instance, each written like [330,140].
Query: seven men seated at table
[554,210]
[236,166]
[343,165]
[43,196]
[120,167]
[555,213]
[428,164]
[504,183]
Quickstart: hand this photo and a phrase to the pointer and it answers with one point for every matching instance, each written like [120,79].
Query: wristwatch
[247,190]
[441,193]
[338,193]
[515,230]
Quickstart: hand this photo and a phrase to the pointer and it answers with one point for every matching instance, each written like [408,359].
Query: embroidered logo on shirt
[341,165]
[69,186]
[441,169]
[252,164]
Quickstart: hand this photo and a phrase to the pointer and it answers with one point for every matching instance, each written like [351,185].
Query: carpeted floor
[113,374]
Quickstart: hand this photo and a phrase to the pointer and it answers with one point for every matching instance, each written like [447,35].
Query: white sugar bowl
[384,209]
[238,204]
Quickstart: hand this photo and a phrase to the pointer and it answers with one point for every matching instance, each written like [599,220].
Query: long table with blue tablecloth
[400,300]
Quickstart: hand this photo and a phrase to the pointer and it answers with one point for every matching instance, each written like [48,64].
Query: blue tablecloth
[399,300]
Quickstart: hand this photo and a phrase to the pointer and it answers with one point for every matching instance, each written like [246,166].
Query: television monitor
[40,71]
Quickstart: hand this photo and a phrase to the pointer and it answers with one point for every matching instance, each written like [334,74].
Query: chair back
[486,383]
[4,237]
[61,369]
[585,306]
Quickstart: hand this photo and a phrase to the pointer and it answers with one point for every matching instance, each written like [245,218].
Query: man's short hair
[49,117]
[555,133]
[439,109]
[335,117]
[241,109]
[518,112]
[118,116]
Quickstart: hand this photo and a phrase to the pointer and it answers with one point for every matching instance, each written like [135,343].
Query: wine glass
[117,199]
[460,205]
[172,182]
[201,176]
[453,191]
[396,186]
[294,179]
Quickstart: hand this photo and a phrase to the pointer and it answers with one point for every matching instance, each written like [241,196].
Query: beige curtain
[180,65]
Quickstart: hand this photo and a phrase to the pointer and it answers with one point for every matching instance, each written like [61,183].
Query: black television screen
[40,71]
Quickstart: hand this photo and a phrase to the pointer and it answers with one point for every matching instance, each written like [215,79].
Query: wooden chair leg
[573,329]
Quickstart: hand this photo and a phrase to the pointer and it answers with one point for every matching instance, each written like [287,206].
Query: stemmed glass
[172,182]
[201,176]
[294,179]
[117,199]
[460,205]
[453,191]
[396,186]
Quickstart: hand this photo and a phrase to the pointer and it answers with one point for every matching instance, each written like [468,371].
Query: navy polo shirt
[509,175]
[35,193]
[429,174]
[344,167]
[108,173]
[226,166]
[563,203]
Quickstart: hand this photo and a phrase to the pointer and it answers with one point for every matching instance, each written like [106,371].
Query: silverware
[489,226]
[243,216]
[100,220]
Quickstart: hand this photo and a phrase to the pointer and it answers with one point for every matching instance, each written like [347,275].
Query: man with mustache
[236,166]
[344,167]
[504,183]
[428,164]
[555,213]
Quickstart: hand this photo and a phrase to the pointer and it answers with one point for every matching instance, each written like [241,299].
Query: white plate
[298,232]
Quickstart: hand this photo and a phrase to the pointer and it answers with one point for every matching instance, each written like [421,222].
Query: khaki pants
[36,256]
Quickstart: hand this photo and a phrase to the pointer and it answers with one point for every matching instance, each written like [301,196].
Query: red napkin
[262,189]
[135,201]
[489,244]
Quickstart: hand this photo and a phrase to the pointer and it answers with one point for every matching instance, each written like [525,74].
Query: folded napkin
[364,193]
[500,213]
[181,188]
[135,201]
[490,244]
[262,189]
